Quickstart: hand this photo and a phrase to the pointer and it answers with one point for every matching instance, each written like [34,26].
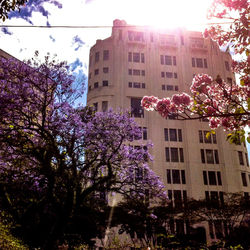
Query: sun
[165,13]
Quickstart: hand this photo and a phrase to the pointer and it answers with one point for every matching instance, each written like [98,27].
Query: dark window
[244,179]
[247,159]
[136,72]
[130,84]
[173,134]
[241,160]
[174,60]
[176,176]
[137,85]
[212,178]
[177,198]
[193,62]
[174,155]
[130,72]
[163,87]
[162,59]
[166,134]
[106,55]
[96,71]
[96,84]
[214,196]
[169,74]
[142,58]
[209,156]
[104,106]
[200,136]
[227,65]
[170,87]
[199,63]
[130,56]
[105,83]
[181,155]
[143,72]
[136,57]
[175,75]
[168,60]
[205,63]
[184,193]
[216,156]
[202,156]
[168,176]
[163,74]
[179,135]
[221,195]
[105,70]
[167,154]
[136,109]
[214,138]
[207,196]
[170,194]
[219,178]
[176,88]
[97,57]
[207,137]
[143,85]
[95,106]
[144,133]
[183,177]
[205,177]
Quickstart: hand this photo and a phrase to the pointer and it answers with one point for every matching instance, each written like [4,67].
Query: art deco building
[138,61]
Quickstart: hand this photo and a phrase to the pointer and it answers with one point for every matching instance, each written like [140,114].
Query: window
[162,74]
[244,179]
[174,154]
[130,84]
[105,83]
[241,160]
[168,60]
[175,75]
[216,156]
[135,36]
[209,156]
[136,109]
[136,72]
[179,196]
[136,57]
[163,87]
[130,71]
[143,85]
[105,55]
[183,177]
[176,88]
[176,176]
[247,159]
[173,134]
[144,133]
[205,177]
[169,74]
[199,62]
[203,156]
[212,156]
[200,136]
[97,57]
[143,72]
[170,87]
[227,65]
[219,178]
[96,84]
[212,178]
[169,176]
[105,70]
[96,71]
[104,106]
[137,85]
[207,139]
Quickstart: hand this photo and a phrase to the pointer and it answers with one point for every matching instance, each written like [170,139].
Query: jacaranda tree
[224,104]
[56,158]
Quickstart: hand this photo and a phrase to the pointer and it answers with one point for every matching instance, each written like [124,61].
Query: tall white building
[138,61]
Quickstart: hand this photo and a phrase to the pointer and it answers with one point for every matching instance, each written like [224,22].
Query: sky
[73,45]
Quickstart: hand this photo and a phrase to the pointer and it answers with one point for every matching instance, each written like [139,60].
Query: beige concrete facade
[138,61]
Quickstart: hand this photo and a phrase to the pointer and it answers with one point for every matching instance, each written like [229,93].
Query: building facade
[138,61]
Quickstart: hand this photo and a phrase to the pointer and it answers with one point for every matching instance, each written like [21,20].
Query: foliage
[10,5]
[224,104]
[57,160]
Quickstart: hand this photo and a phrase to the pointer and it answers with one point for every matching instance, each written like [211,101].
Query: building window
[173,134]
[96,71]
[136,72]
[105,70]
[203,156]
[105,55]
[183,177]
[168,60]
[209,156]
[96,84]
[144,133]
[136,57]
[205,177]
[162,74]
[97,57]
[95,106]
[136,109]
[219,178]
[137,85]
[143,72]
[174,154]
[135,36]
[227,65]
[207,137]
[199,62]
[175,75]
[241,160]
[169,176]
[244,179]
[169,74]
[105,83]
[247,159]
[176,176]
[104,106]
[212,178]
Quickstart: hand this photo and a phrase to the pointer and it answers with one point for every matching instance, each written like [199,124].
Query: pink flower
[149,102]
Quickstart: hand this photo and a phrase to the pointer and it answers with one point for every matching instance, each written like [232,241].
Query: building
[138,61]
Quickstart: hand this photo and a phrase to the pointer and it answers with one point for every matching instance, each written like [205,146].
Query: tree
[10,5]
[223,103]
[56,159]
